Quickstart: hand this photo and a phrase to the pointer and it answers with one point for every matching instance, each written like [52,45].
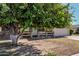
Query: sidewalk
[75,54]
[73,37]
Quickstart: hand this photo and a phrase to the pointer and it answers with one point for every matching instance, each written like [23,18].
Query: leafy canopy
[35,15]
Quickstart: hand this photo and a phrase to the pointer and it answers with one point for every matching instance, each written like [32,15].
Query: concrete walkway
[73,37]
[76,54]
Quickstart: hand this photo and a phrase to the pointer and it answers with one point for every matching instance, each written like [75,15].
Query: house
[75,28]
[36,33]
[56,32]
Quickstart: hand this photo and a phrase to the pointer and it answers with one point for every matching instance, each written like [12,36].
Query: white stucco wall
[61,32]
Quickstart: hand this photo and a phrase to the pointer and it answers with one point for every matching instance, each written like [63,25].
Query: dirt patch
[59,46]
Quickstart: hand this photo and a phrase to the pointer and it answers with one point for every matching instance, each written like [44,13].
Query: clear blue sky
[75,8]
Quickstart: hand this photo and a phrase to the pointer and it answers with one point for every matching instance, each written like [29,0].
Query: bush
[51,54]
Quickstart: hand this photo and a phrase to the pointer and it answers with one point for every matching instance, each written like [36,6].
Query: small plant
[51,54]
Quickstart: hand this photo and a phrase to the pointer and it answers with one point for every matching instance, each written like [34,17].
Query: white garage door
[61,32]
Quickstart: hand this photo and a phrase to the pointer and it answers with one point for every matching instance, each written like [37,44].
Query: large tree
[50,15]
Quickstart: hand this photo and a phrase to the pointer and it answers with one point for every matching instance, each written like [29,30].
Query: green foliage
[51,54]
[48,15]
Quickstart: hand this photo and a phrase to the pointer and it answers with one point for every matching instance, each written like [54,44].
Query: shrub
[51,54]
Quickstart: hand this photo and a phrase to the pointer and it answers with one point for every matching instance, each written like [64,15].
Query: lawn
[56,46]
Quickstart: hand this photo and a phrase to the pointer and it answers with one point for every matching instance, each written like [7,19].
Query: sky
[75,10]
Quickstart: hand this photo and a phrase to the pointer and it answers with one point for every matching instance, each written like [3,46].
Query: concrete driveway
[73,37]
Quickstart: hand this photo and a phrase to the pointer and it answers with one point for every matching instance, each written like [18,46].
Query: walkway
[73,37]
[76,54]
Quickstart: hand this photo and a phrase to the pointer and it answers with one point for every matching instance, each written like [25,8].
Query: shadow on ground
[33,39]
[6,49]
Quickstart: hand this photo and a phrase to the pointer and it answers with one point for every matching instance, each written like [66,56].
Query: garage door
[61,32]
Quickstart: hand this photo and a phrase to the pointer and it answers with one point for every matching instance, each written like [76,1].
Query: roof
[75,26]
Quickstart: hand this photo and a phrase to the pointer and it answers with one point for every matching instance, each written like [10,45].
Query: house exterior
[59,32]
[56,32]
[75,27]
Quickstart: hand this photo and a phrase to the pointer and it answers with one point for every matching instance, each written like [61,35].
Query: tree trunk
[30,29]
[14,34]
[14,39]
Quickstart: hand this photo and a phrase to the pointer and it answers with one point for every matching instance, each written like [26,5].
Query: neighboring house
[75,28]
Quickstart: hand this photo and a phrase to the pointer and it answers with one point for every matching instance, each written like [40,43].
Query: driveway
[73,37]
